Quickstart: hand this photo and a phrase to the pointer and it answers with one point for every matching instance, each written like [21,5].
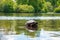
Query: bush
[2,3]
[10,6]
[47,7]
[14,7]
[25,8]
[58,2]
[57,10]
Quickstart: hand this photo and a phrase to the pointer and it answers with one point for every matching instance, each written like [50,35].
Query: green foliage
[2,3]
[9,6]
[40,5]
[57,10]
[32,5]
[22,1]
[14,7]
[25,8]
[58,2]
[47,7]
[53,2]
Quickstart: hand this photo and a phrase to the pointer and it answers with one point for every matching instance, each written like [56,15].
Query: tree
[58,2]
[41,5]
[25,8]
[9,6]
[53,2]
[34,4]
[47,7]
[2,3]
[22,1]
[57,9]
[37,4]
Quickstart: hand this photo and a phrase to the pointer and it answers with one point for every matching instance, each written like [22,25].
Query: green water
[19,25]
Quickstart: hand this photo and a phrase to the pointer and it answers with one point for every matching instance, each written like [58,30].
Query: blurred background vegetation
[29,6]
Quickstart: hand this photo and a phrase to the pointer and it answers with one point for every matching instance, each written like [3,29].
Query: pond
[39,35]
[13,26]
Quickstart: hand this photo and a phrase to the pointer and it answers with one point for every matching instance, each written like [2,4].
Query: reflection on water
[43,35]
[22,34]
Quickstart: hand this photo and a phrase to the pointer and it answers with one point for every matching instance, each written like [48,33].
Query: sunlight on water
[43,35]
[27,18]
